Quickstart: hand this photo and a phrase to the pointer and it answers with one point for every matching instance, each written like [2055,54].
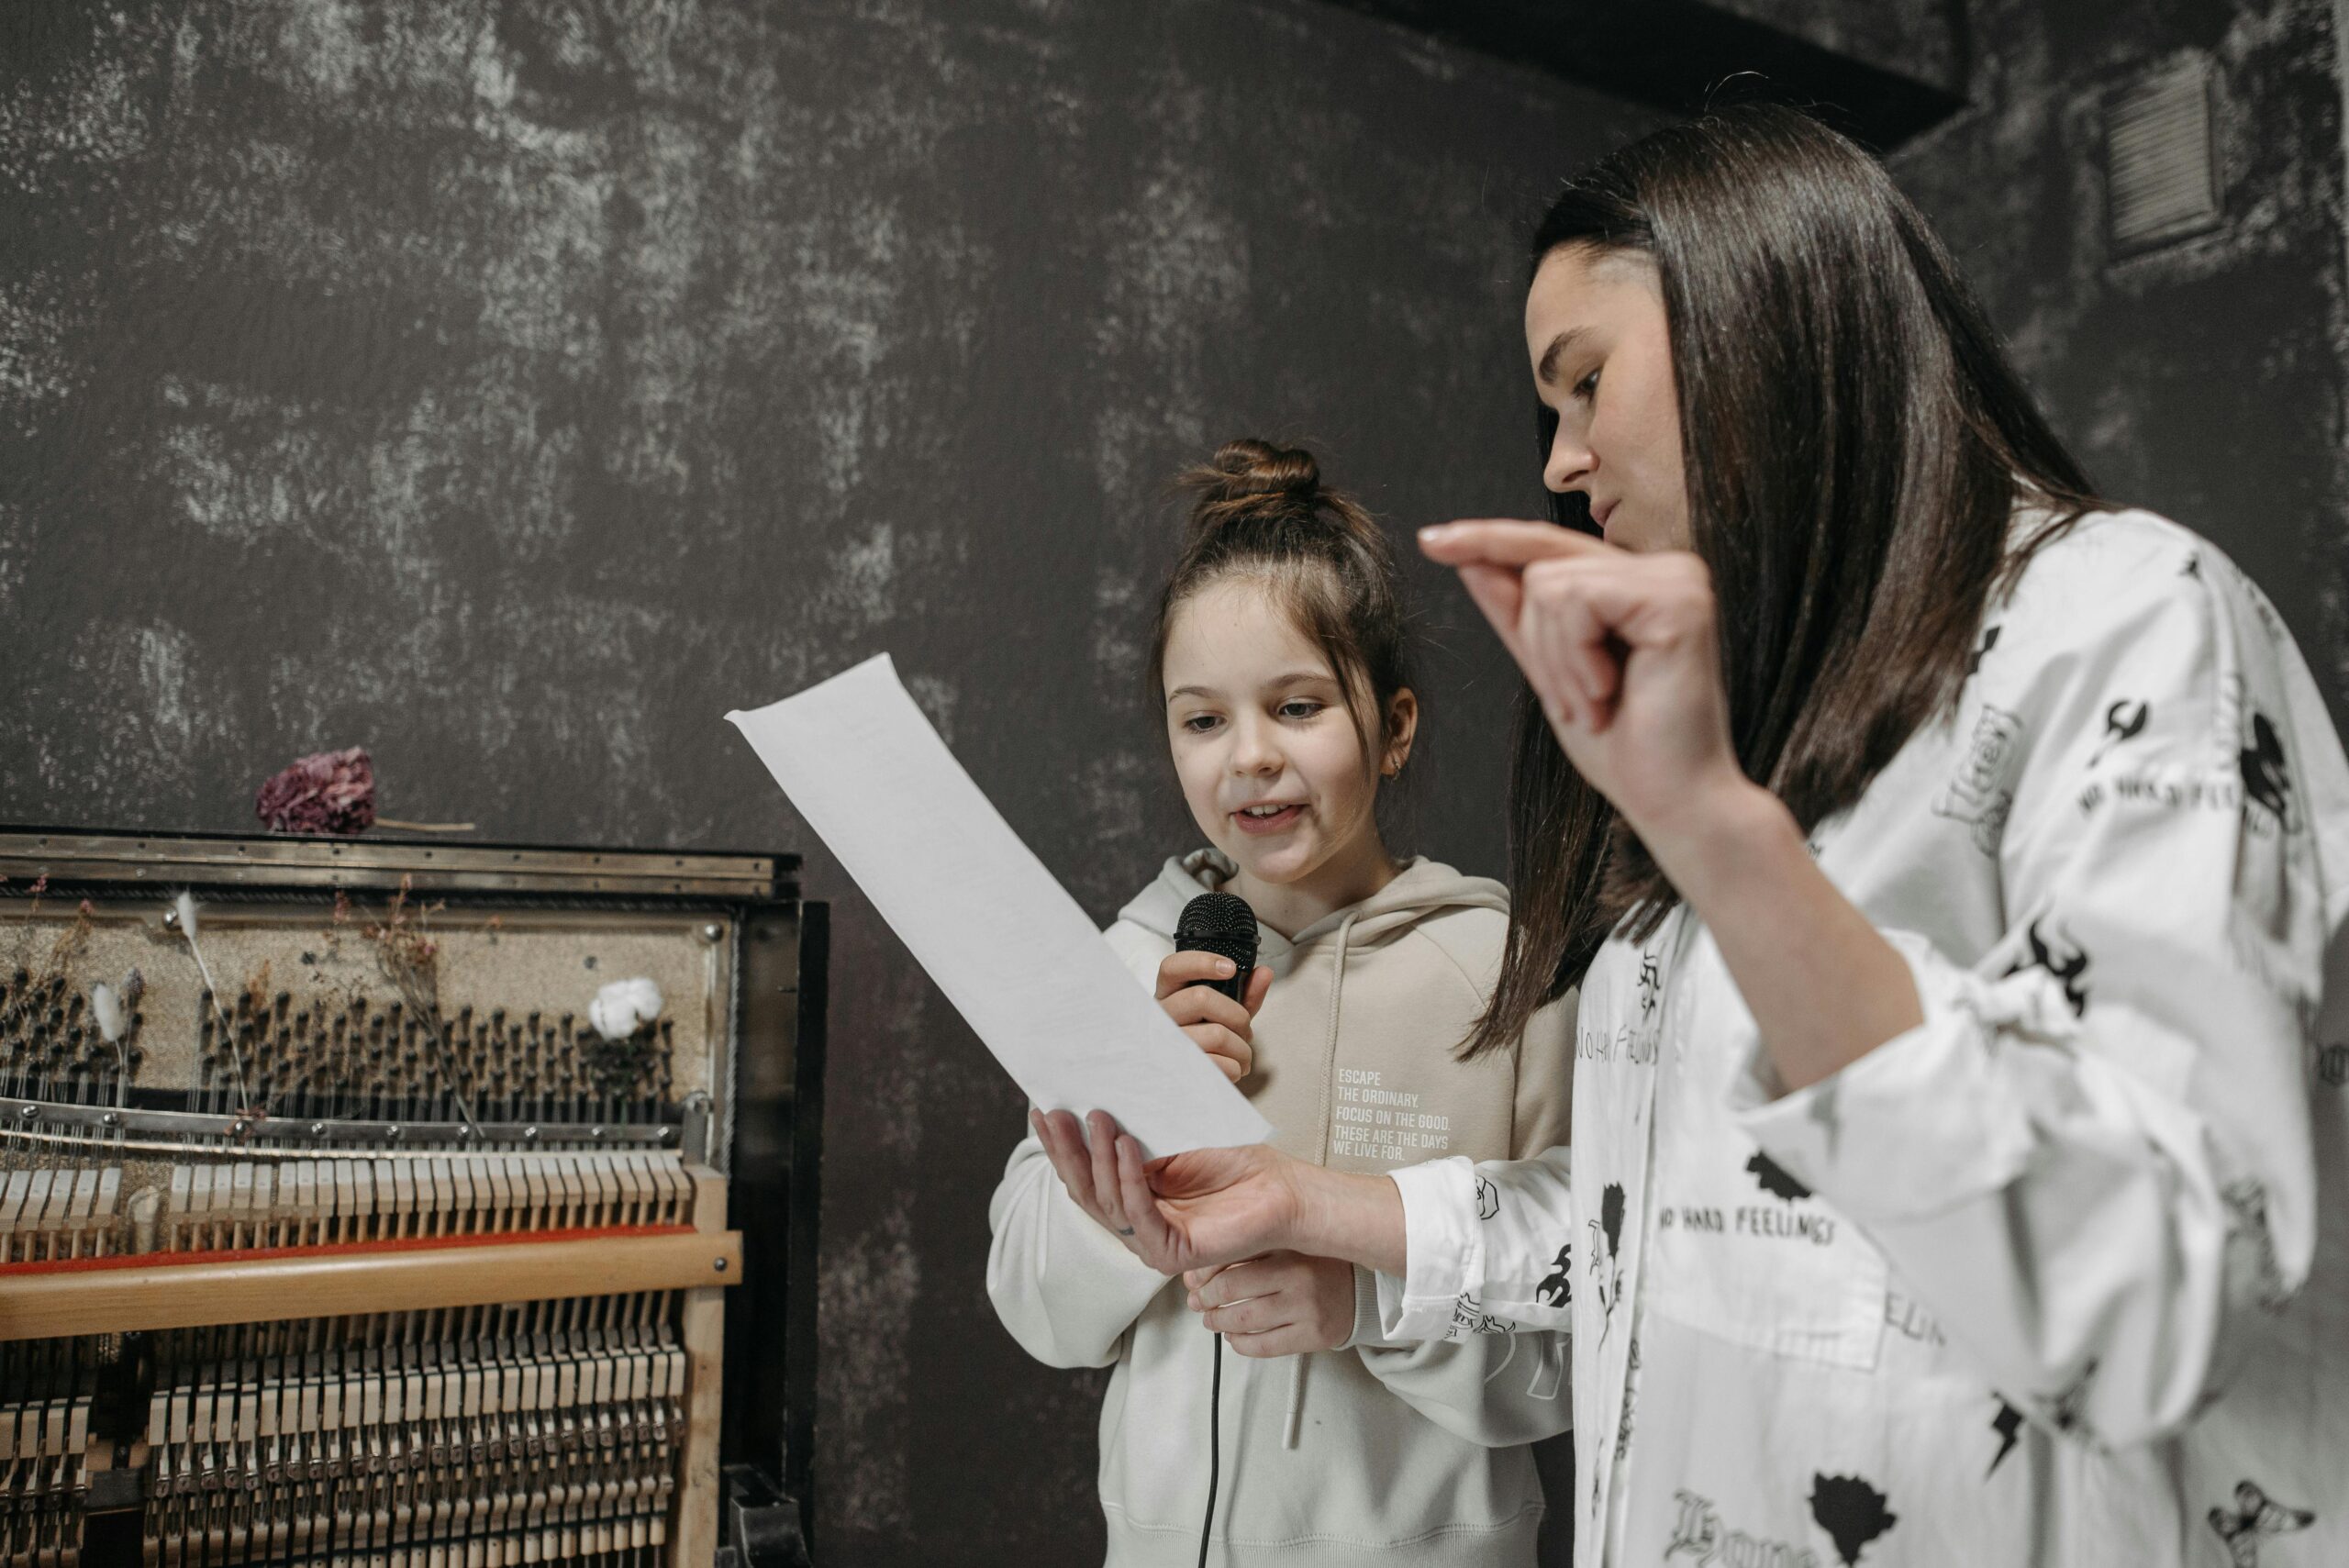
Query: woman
[1950,862]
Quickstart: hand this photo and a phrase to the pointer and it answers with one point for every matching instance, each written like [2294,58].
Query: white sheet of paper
[999,935]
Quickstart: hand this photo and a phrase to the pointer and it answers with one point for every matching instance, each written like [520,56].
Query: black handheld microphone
[1222,924]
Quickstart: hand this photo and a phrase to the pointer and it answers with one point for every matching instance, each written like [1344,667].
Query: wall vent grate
[2162,178]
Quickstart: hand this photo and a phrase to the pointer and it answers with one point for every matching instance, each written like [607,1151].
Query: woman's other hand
[1216,1024]
[1277,1305]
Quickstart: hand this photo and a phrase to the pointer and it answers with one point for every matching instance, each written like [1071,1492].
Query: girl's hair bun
[1248,469]
[1260,511]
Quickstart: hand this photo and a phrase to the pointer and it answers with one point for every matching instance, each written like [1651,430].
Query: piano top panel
[429,867]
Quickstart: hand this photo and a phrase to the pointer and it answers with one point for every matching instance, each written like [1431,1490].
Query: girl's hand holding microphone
[1216,1024]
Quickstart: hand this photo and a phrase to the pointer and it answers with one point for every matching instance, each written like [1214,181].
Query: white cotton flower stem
[236,1052]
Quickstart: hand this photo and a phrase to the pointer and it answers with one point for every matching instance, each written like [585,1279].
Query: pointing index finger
[1504,541]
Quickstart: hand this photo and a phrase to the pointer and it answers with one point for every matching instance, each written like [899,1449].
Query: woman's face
[1601,353]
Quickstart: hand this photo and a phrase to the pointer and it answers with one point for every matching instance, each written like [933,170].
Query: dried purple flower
[332,792]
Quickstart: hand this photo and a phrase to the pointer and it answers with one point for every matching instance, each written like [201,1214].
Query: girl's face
[1272,767]
[1601,350]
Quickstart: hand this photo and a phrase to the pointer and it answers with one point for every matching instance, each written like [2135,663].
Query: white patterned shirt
[2060,1277]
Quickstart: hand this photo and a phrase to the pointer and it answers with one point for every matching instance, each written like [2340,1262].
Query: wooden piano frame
[758,1144]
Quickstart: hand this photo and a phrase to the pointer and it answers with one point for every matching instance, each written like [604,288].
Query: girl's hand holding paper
[1210,1206]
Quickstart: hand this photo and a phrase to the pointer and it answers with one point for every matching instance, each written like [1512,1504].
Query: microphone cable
[1218,923]
[1215,1434]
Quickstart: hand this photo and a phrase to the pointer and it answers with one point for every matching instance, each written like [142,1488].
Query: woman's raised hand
[1622,649]
[1209,1206]
[1216,1024]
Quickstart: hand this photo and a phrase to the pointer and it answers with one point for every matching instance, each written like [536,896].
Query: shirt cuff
[1925,1122]
[1444,1246]
[1370,1313]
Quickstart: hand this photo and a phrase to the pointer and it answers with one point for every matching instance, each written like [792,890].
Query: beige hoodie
[1370,1453]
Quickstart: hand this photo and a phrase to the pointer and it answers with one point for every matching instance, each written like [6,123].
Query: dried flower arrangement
[332,793]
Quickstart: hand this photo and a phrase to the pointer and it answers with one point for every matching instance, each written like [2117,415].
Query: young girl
[1279,659]
[1956,868]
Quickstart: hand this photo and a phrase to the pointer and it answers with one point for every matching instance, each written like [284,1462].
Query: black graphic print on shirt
[1606,1237]
[1778,1221]
[1771,1178]
[2068,965]
[1699,1533]
[1488,1200]
[1852,1512]
[2064,1412]
[2123,722]
[2007,1424]
[1911,1320]
[1989,640]
[1650,983]
[1557,1288]
[2267,784]
[1470,1318]
[2255,1518]
[1982,794]
[2246,1201]
[1630,1399]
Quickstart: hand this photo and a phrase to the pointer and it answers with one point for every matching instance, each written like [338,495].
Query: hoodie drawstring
[1329,1075]
[1295,1399]
[1329,1038]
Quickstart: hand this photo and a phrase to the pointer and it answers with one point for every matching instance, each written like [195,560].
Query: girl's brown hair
[1854,443]
[1262,512]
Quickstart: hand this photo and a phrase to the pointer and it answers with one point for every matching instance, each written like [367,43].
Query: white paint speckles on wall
[938,698]
[1130,786]
[844,299]
[1179,264]
[1177,292]
[1130,448]
[147,702]
[239,464]
[868,1288]
[321,42]
[35,359]
[15,545]
[1123,607]
[101,123]
[862,578]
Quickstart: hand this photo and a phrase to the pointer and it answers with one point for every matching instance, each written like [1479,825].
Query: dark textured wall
[2203,379]
[1925,39]
[513,387]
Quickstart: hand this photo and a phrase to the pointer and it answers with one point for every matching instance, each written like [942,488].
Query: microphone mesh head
[1218,923]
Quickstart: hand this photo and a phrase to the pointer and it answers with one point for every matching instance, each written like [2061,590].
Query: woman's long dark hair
[1854,443]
